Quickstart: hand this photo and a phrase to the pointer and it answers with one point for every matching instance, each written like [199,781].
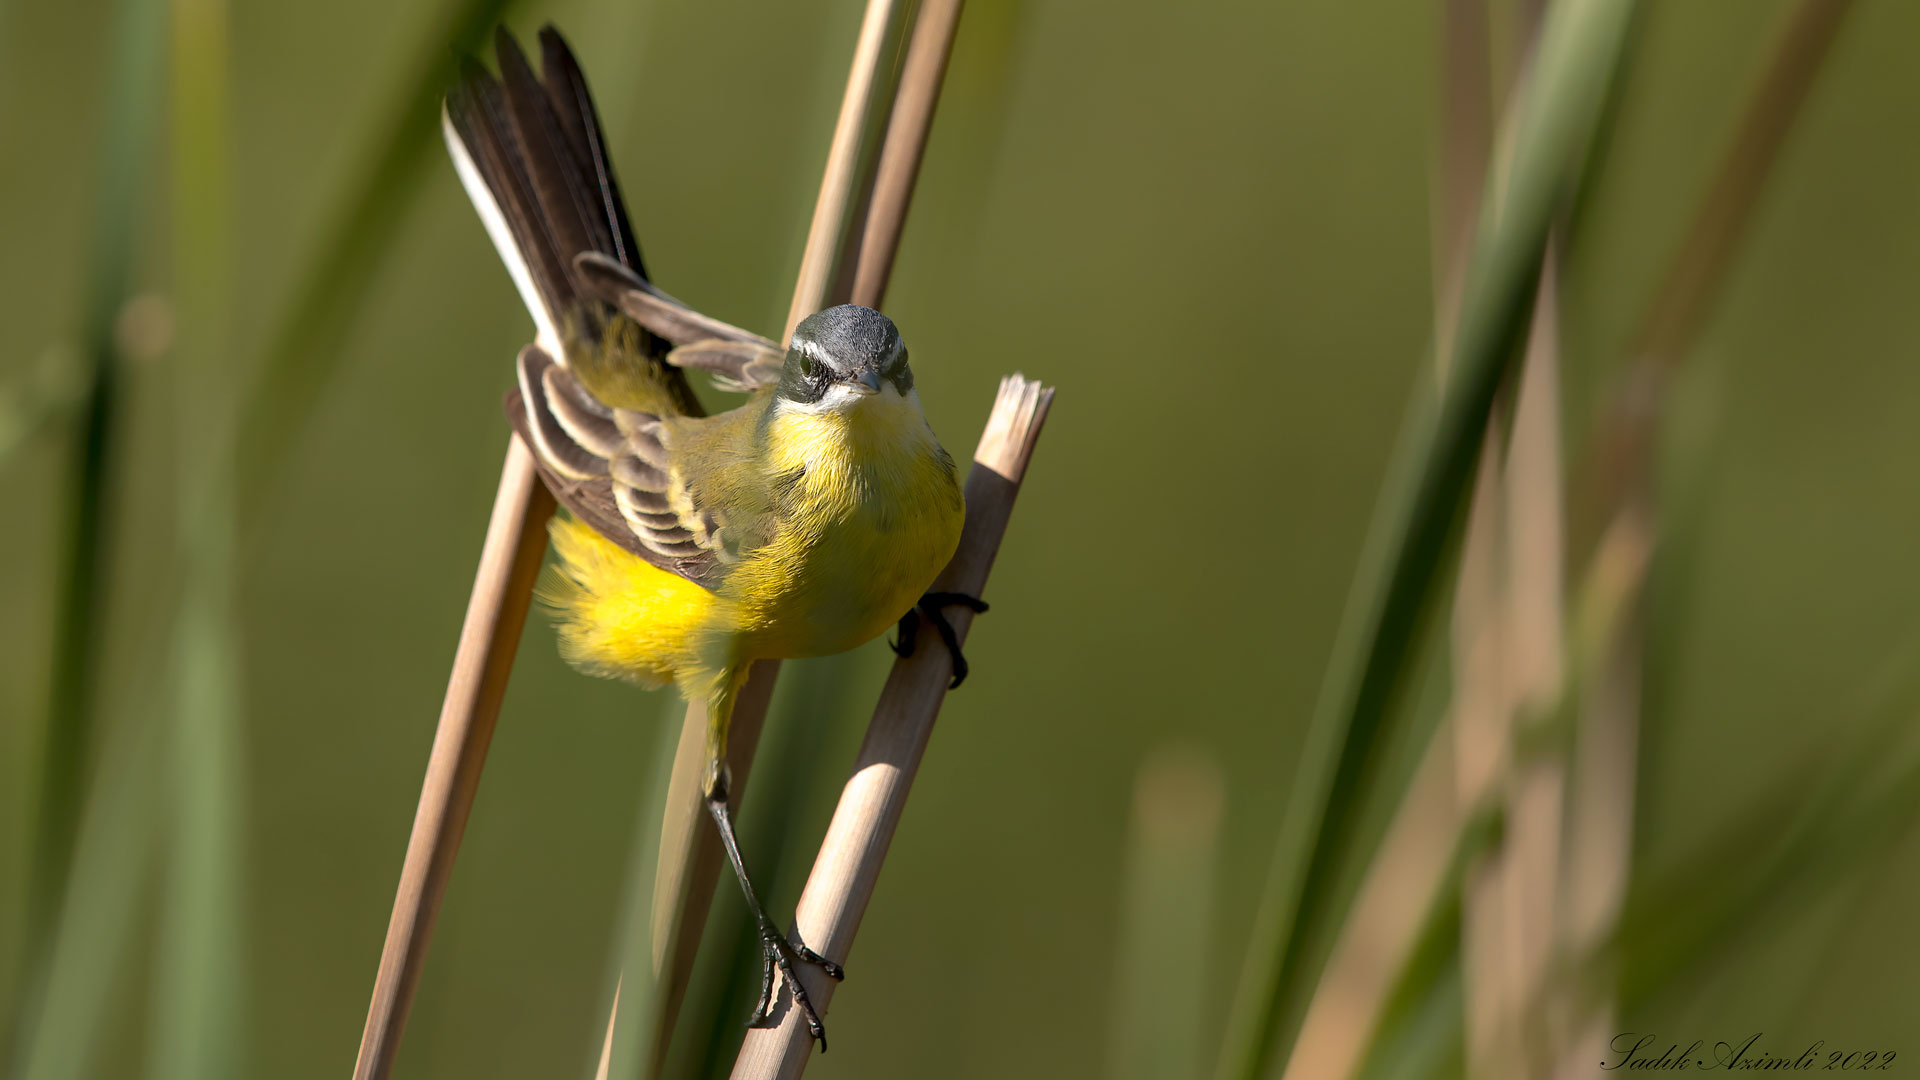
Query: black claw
[952,642]
[929,609]
[765,1007]
[833,971]
[778,951]
[909,634]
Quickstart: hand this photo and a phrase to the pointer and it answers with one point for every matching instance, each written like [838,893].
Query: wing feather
[550,440]
[740,360]
[615,469]
[580,415]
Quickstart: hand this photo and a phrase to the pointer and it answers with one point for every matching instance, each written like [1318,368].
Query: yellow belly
[619,615]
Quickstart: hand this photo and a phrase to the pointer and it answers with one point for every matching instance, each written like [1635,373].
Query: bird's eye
[807,366]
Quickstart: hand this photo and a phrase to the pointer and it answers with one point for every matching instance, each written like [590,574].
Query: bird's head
[843,356]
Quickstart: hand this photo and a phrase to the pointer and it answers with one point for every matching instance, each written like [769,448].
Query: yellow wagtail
[802,523]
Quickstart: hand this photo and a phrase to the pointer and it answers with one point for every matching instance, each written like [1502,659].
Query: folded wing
[611,467]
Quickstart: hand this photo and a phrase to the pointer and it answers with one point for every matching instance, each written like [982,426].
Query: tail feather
[530,152]
[570,217]
[484,155]
[573,105]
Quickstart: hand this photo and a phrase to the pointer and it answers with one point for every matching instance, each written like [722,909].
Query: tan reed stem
[852,155]
[496,611]
[1619,525]
[1622,443]
[1510,898]
[848,865]
[906,143]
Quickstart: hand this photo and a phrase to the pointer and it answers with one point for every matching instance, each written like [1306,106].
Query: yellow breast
[872,516]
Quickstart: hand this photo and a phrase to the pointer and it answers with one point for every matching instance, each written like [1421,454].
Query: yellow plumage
[619,615]
[871,517]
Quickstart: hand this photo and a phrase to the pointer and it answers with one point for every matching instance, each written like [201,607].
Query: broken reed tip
[1019,412]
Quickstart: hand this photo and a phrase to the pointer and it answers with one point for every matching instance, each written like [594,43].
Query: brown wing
[610,467]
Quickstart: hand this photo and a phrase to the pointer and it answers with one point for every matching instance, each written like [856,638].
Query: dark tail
[530,151]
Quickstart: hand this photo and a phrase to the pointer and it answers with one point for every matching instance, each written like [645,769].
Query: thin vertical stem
[496,611]
[1618,523]
[850,162]
[197,972]
[906,143]
[1507,914]
[1160,988]
[67,741]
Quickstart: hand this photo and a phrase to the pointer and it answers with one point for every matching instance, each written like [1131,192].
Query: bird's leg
[929,608]
[775,949]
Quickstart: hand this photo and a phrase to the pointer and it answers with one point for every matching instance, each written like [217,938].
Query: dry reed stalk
[496,612]
[1599,808]
[1527,867]
[1506,640]
[921,76]
[1620,523]
[1482,756]
[848,866]
[1476,720]
[839,210]
[1508,671]
[1622,441]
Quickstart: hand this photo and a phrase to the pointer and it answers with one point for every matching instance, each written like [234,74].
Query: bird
[804,522]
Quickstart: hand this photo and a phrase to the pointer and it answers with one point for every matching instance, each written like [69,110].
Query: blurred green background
[1208,224]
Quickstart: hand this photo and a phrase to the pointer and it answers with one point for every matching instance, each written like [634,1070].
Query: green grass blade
[1401,564]
[132,119]
[196,1029]
[1160,994]
[1430,1039]
[1424,1015]
[111,867]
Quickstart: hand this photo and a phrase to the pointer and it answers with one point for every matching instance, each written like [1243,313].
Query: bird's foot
[929,608]
[776,951]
